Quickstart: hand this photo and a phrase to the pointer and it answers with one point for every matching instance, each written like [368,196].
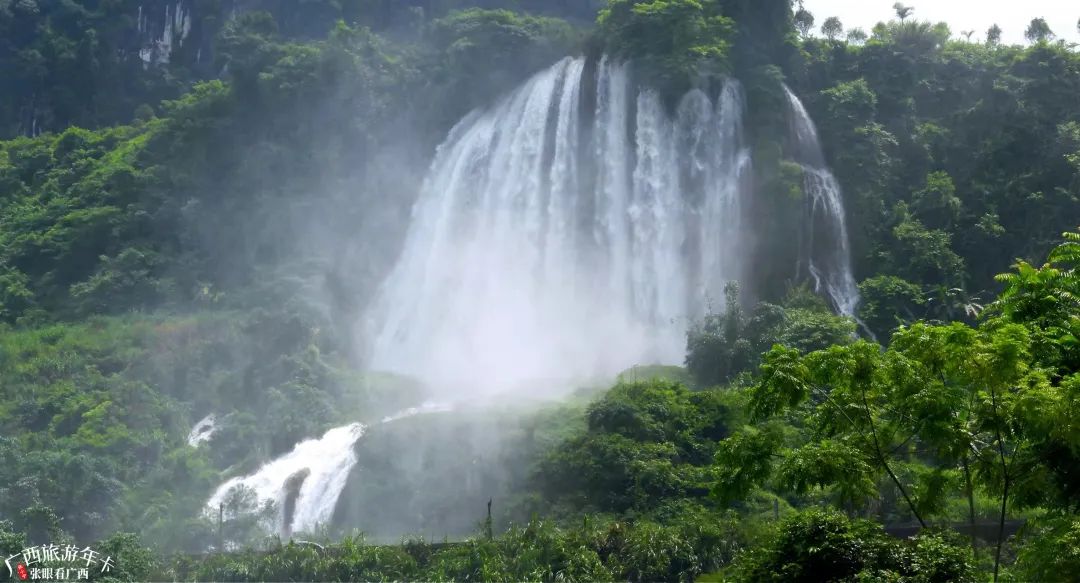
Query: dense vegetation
[195,234]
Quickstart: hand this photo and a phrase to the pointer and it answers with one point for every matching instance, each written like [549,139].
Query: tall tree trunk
[1001,525]
[1005,486]
[970,491]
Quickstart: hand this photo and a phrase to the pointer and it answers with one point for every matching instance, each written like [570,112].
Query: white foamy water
[554,242]
[176,27]
[202,431]
[328,461]
[825,248]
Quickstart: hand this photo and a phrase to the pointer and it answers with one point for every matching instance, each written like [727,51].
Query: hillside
[674,289]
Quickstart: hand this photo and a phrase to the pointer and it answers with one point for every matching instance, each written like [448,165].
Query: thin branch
[909,438]
[884,462]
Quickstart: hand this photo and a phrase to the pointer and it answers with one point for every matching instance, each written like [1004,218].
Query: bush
[824,545]
[644,443]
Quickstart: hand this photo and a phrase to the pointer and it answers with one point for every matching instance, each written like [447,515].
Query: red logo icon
[23,575]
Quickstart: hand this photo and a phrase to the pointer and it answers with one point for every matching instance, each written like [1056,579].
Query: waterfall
[175,29]
[825,247]
[323,464]
[305,483]
[566,236]
[203,430]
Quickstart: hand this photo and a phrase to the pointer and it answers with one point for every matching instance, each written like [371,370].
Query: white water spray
[328,459]
[825,247]
[176,27]
[324,465]
[555,243]
[203,430]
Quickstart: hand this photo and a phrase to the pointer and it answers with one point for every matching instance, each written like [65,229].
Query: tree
[1047,301]
[1038,31]
[670,39]
[804,21]
[971,399]
[937,204]
[924,255]
[993,35]
[855,430]
[903,11]
[832,28]
[888,302]
[723,346]
[856,36]
[992,403]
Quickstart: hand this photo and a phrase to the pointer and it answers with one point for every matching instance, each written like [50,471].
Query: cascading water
[327,462]
[203,430]
[825,249]
[555,242]
[321,468]
[175,28]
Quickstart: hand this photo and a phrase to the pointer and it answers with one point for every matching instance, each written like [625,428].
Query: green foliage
[852,103]
[857,36]
[672,41]
[486,52]
[1050,548]
[955,157]
[11,541]
[724,346]
[888,302]
[923,254]
[945,407]
[825,546]
[804,21]
[926,123]
[644,442]
[675,374]
[92,64]
[832,28]
[1047,301]
[937,203]
[92,414]
[537,551]
[122,282]
[140,216]
[745,460]
[243,518]
[715,351]
[1038,31]
[133,562]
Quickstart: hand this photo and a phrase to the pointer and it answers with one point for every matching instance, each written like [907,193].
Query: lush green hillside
[200,235]
[956,157]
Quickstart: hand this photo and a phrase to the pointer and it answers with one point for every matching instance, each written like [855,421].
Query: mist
[570,230]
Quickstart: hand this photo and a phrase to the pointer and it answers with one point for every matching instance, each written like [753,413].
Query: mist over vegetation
[201,202]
